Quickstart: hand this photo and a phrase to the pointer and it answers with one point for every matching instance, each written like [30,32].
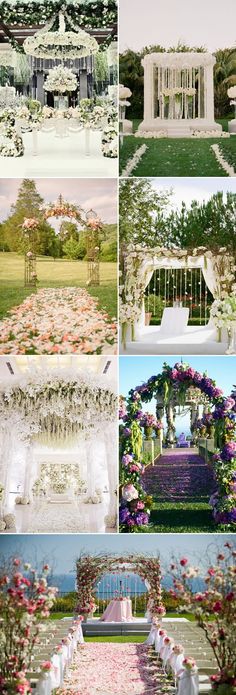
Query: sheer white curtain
[148,267]
[110,439]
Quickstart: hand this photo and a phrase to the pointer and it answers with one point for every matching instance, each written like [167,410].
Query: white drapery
[147,268]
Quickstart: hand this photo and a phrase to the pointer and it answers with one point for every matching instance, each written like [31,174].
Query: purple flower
[126,459]
[141,518]
[124,515]
[126,432]
[229,451]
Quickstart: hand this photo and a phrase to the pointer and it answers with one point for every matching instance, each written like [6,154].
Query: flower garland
[90,569]
[99,14]
[134,161]
[60,79]
[174,383]
[62,43]
[135,505]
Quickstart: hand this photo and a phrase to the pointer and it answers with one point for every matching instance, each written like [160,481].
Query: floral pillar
[6,466]
[170,434]
[110,439]
[193,417]
[29,471]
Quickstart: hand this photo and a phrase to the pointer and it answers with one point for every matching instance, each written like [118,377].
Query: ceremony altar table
[174,320]
[118,611]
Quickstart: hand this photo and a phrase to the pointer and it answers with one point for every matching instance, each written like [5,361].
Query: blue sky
[134,370]
[61,551]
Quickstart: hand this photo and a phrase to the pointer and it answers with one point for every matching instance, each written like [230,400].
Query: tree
[224,77]
[71,248]
[28,204]
[211,223]
[68,230]
[142,213]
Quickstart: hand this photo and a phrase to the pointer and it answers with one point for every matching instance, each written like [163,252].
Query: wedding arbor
[218,421]
[89,222]
[91,568]
[178,95]
[217,270]
[54,443]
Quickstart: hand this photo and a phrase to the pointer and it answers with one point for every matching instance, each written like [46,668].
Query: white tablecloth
[174,320]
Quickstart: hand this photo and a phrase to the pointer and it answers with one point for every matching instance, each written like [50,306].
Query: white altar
[179,95]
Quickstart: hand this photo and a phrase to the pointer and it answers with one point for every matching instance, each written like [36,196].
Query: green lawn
[175,157]
[58,273]
[181,517]
[228,150]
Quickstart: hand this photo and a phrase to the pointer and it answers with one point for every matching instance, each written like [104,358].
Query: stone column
[148,91]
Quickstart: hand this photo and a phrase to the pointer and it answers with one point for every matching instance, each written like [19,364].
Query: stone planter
[148,432]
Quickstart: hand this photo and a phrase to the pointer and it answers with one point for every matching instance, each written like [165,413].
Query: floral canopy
[61,403]
[140,262]
[90,569]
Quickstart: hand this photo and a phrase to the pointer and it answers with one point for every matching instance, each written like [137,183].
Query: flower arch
[172,382]
[91,568]
[217,267]
[90,223]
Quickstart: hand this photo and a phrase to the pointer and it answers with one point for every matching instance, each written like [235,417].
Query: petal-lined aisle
[115,668]
[64,320]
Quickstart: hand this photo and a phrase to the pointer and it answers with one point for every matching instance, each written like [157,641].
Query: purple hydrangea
[124,515]
[229,451]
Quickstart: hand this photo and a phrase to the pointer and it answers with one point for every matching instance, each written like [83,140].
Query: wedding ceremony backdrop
[58,76]
[162,651]
[178,474]
[58,444]
[184,92]
[59,256]
[174,292]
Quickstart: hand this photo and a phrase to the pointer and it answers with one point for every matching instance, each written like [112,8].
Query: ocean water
[111,584]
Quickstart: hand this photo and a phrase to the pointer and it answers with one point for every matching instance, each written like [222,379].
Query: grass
[117,638]
[58,273]
[181,517]
[228,150]
[175,157]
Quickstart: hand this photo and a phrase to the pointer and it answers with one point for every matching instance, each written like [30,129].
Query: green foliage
[154,305]
[211,223]
[71,248]
[65,604]
[100,67]
[141,212]
[28,204]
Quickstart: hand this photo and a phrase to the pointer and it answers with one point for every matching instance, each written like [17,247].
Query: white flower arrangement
[232,92]
[61,44]
[2,525]
[124,93]
[1,491]
[110,141]
[12,146]
[151,134]
[10,521]
[223,312]
[22,500]
[60,79]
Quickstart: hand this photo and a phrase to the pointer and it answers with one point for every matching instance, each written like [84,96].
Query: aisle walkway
[107,668]
[64,320]
[179,475]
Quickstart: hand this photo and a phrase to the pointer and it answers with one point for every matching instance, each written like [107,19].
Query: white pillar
[29,471]
[110,440]
[148,91]
[209,93]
